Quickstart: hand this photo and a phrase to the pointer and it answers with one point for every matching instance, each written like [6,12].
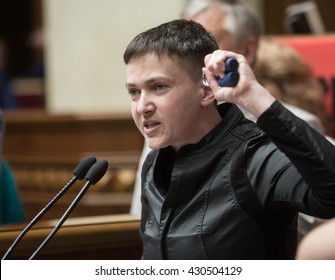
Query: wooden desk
[96,238]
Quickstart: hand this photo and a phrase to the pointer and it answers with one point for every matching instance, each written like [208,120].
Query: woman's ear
[207,96]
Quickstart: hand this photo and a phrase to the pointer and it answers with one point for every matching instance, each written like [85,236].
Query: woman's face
[165,101]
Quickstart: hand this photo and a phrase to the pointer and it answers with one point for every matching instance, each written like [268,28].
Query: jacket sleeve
[298,170]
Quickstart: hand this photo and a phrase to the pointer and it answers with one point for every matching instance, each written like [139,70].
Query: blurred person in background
[7,97]
[319,243]
[290,79]
[11,207]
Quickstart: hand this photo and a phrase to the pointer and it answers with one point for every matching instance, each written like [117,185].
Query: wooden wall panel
[43,149]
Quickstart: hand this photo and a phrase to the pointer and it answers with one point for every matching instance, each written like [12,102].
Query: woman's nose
[145,104]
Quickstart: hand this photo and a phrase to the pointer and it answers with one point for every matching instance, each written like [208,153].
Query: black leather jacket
[236,193]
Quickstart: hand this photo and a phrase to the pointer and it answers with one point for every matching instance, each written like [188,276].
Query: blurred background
[73,48]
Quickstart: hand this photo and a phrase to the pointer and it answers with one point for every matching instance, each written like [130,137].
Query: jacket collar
[230,115]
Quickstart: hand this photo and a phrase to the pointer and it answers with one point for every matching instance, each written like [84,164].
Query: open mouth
[149,127]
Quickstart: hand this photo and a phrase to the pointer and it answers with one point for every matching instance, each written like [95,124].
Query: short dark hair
[184,40]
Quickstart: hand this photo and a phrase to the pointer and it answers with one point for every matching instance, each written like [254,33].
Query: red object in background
[319,52]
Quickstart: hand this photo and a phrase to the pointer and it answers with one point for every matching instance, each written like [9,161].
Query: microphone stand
[62,219]
[39,216]
[79,173]
[94,174]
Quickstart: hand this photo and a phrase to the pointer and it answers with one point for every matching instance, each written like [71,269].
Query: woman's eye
[133,92]
[160,86]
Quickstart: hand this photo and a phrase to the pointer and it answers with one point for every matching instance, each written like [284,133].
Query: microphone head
[97,171]
[83,166]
